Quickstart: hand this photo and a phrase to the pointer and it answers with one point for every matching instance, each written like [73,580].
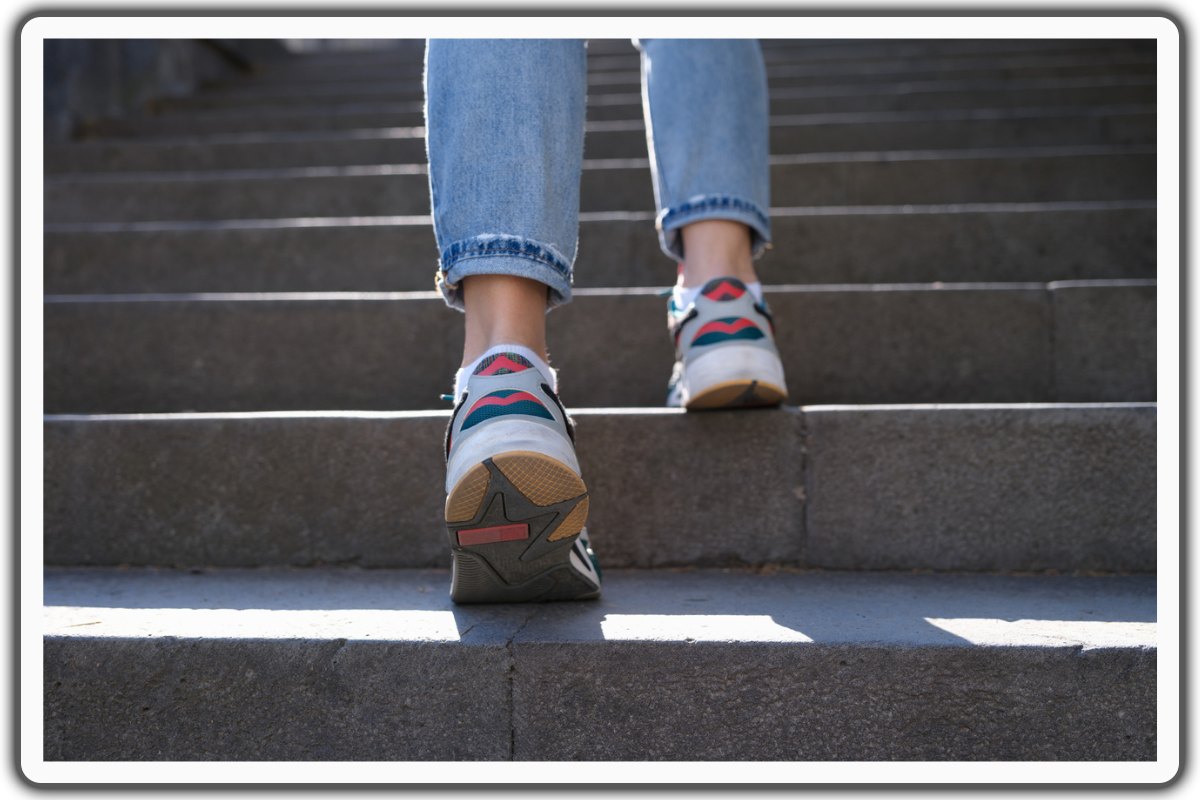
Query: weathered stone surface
[727,496]
[840,667]
[368,490]
[789,134]
[866,344]
[1028,244]
[844,344]
[247,355]
[1110,90]
[246,492]
[367,665]
[971,488]
[1015,175]
[982,488]
[265,666]
[1105,340]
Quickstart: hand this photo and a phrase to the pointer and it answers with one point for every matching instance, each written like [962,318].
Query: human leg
[705,104]
[504,126]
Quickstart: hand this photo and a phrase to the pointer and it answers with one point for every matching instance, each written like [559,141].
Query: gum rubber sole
[513,521]
[737,394]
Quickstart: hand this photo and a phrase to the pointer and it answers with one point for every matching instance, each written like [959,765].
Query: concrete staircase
[946,549]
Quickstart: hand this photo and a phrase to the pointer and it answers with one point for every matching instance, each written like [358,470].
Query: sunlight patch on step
[1087,634]
[697,628]
[251,623]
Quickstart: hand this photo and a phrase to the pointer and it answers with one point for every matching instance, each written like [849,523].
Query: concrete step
[968,487]
[858,50]
[894,96]
[986,66]
[345,665]
[797,133]
[1017,174]
[872,244]
[316,70]
[900,343]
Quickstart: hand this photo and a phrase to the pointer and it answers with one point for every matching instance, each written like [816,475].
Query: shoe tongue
[502,364]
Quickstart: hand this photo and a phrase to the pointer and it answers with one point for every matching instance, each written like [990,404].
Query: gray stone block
[303,489]
[370,665]
[216,258]
[884,96]
[685,666]
[1013,175]
[302,118]
[246,355]
[320,192]
[789,134]
[966,69]
[982,488]
[669,488]
[246,492]
[964,343]
[234,151]
[389,92]
[954,94]
[1029,244]
[1038,243]
[276,666]
[1105,340]
[954,177]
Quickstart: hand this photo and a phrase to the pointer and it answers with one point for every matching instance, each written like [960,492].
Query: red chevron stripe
[725,290]
[725,327]
[492,400]
[503,362]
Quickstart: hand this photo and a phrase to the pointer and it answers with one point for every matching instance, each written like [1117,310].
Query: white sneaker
[515,502]
[725,350]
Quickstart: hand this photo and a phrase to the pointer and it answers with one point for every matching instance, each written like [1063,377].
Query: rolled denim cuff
[711,206]
[504,255]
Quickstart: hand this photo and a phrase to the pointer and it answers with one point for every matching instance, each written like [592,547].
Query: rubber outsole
[512,521]
[736,394]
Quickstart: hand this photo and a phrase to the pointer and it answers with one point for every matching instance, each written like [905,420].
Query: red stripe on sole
[499,533]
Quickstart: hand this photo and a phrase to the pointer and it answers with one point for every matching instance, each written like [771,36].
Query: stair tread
[822,608]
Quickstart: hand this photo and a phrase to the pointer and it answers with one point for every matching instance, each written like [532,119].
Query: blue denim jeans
[505,122]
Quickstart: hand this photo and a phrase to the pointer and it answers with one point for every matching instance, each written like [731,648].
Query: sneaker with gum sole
[515,502]
[725,350]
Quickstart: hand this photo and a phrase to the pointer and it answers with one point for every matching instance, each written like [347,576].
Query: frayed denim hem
[712,206]
[503,255]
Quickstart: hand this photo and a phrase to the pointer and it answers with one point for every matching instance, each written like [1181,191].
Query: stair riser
[370,492]
[1120,129]
[282,700]
[894,489]
[972,489]
[891,248]
[908,346]
[629,81]
[404,702]
[810,52]
[974,180]
[321,118]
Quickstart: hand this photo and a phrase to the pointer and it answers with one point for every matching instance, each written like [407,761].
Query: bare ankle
[716,248]
[503,309]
